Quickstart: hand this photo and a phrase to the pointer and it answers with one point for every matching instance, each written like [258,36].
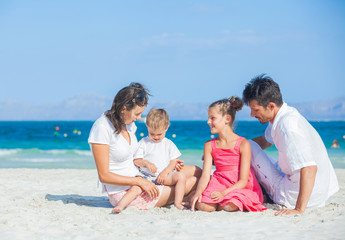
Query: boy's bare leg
[179,180]
[132,193]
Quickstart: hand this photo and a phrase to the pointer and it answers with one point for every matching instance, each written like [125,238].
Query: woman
[113,142]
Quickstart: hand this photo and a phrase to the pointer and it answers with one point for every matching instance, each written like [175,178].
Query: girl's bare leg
[132,193]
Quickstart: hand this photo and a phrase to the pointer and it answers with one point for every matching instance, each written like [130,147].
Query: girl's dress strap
[238,143]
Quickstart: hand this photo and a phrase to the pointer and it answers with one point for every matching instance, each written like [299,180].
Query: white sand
[66,204]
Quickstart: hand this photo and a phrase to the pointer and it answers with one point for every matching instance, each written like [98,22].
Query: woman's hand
[217,195]
[194,199]
[149,187]
[151,167]
[179,165]
[161,177]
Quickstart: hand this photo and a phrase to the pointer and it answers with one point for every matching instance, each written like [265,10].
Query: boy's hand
[151,167]
[161,177]
[179,165]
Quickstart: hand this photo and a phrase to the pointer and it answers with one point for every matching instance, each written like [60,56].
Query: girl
[233,185]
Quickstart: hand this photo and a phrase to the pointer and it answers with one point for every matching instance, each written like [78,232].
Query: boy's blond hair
[157,118]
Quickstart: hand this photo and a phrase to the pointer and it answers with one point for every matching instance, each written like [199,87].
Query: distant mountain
[333,109]
[91,106]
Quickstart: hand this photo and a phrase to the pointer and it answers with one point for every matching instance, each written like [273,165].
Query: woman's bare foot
[179,206]
[117,209]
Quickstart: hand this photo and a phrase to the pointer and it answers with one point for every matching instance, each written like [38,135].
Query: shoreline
[67,204]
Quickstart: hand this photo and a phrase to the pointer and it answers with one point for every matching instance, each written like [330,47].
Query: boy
[157,157]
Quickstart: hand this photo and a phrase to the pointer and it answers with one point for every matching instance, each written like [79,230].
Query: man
[305,176]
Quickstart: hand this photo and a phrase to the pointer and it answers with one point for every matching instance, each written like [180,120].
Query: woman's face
[132,115]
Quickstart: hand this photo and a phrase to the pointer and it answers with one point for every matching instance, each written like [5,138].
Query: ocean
[63,144]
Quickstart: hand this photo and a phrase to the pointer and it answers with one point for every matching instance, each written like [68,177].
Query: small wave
[40,160]
[5,152]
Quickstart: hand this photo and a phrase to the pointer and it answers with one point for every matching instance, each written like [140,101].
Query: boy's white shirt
[158,153]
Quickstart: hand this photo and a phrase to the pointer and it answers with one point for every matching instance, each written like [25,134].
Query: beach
[68,204]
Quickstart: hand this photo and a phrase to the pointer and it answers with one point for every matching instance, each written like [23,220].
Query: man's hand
[286,211]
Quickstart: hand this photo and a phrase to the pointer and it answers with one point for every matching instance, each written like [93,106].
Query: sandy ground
[67,204]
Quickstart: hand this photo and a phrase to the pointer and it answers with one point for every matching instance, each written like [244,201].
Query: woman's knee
[206,207]
[229,207]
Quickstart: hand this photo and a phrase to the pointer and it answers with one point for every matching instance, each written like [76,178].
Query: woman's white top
[120,151]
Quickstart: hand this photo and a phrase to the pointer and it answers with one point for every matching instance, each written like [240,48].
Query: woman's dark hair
[131,96]
[264,90]
[228,106]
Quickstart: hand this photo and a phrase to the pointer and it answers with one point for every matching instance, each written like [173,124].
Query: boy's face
[157,135]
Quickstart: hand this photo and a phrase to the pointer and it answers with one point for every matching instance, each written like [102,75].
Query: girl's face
[216,120]
[132,115]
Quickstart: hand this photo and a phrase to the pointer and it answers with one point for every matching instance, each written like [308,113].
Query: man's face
[261,113]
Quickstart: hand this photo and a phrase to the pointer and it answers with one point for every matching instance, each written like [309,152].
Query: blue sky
[183,51]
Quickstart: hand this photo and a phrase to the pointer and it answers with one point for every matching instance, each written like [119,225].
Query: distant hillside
[323,111]
[91,106]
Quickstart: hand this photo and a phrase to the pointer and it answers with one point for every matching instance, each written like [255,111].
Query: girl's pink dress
[227,162]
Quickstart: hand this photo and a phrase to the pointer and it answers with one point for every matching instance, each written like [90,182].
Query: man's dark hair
[264,90]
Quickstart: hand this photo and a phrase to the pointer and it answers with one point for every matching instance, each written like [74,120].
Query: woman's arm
[101,156]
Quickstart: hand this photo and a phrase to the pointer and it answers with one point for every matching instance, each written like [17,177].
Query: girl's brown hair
[229,106]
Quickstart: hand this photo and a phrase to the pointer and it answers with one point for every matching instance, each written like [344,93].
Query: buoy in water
[56,134]
[65,135]
[174,135]
[57,128]
[141,134]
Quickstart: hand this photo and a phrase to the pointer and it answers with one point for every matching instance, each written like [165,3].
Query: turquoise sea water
[39,145]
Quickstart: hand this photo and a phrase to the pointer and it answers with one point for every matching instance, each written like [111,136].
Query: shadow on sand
[91,201]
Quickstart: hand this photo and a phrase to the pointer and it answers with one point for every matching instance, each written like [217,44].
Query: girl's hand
[217,195]
[149,187]
[161,177]
[194,199]
[151,167]
[179,165]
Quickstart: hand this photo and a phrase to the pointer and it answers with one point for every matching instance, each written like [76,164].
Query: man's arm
[307,181]
[262,142]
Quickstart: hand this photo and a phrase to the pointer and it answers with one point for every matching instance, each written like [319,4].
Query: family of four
[149,173]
